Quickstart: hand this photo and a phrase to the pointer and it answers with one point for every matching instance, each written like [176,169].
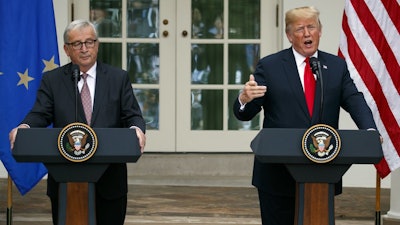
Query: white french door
[187,61]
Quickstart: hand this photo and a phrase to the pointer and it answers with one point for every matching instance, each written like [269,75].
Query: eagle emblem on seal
[321,143]
[77,142]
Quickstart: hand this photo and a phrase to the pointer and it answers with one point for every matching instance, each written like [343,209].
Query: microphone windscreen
[75,72]
[314,65]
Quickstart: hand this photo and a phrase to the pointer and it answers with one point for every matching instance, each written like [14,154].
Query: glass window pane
[207,19]
[106,16]
[244,19]
[242,61]
[207,111]
[143,18]
[235,124]
[207,64]
[149,103]
[143,63]
[110,53]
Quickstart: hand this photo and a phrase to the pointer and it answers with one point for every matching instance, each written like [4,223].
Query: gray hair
[78,24]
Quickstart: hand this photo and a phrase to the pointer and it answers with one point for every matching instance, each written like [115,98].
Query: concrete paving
[137,220]
[192,190]
[185,205]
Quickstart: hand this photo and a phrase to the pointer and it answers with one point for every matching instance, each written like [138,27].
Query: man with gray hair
[112,104]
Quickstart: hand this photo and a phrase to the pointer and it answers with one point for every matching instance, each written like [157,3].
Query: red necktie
[86,99]
[309,86]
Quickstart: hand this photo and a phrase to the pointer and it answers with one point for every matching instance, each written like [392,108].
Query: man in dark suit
[113,105]
[277,87]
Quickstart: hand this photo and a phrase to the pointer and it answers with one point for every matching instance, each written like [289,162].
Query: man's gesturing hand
[251,91]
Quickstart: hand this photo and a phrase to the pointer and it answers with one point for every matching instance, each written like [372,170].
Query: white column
[393,215]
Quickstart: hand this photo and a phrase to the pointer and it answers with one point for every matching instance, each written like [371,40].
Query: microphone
[76,77]
[315,66]
[316,69]
[75,73]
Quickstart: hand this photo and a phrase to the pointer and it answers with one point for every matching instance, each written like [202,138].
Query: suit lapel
[69,84]
[101,90]
[293,78]
[318,91]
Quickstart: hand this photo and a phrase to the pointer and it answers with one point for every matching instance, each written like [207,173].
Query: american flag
[370,43]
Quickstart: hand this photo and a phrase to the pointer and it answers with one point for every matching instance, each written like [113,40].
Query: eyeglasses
[77,45]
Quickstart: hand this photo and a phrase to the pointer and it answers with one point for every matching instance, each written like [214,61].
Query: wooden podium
[77,179]
[315,181]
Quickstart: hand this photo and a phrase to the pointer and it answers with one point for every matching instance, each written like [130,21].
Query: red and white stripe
[370,43]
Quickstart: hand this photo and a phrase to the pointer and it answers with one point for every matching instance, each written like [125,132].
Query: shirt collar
[92,71]
[300,58]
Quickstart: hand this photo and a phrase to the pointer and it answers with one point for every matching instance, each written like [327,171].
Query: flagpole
[9,200]
[378,200]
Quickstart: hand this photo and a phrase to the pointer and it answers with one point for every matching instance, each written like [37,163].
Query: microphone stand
[75,73]
[322,91]
[76,98]
[316,68]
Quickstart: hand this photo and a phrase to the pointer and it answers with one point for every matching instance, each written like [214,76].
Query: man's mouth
[309,42]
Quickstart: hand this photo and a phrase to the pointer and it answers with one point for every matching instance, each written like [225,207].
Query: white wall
[63,13]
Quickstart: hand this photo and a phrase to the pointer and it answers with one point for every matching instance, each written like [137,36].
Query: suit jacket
[115,106]
[284,106]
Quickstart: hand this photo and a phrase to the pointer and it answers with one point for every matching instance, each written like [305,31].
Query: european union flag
[28,48]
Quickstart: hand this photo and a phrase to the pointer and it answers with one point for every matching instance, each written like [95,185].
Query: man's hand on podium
[141,136]
[13,134]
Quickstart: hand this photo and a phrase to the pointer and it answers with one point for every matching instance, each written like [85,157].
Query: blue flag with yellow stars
[28,48]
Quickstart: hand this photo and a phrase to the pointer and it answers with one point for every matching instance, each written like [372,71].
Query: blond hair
[306,12]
